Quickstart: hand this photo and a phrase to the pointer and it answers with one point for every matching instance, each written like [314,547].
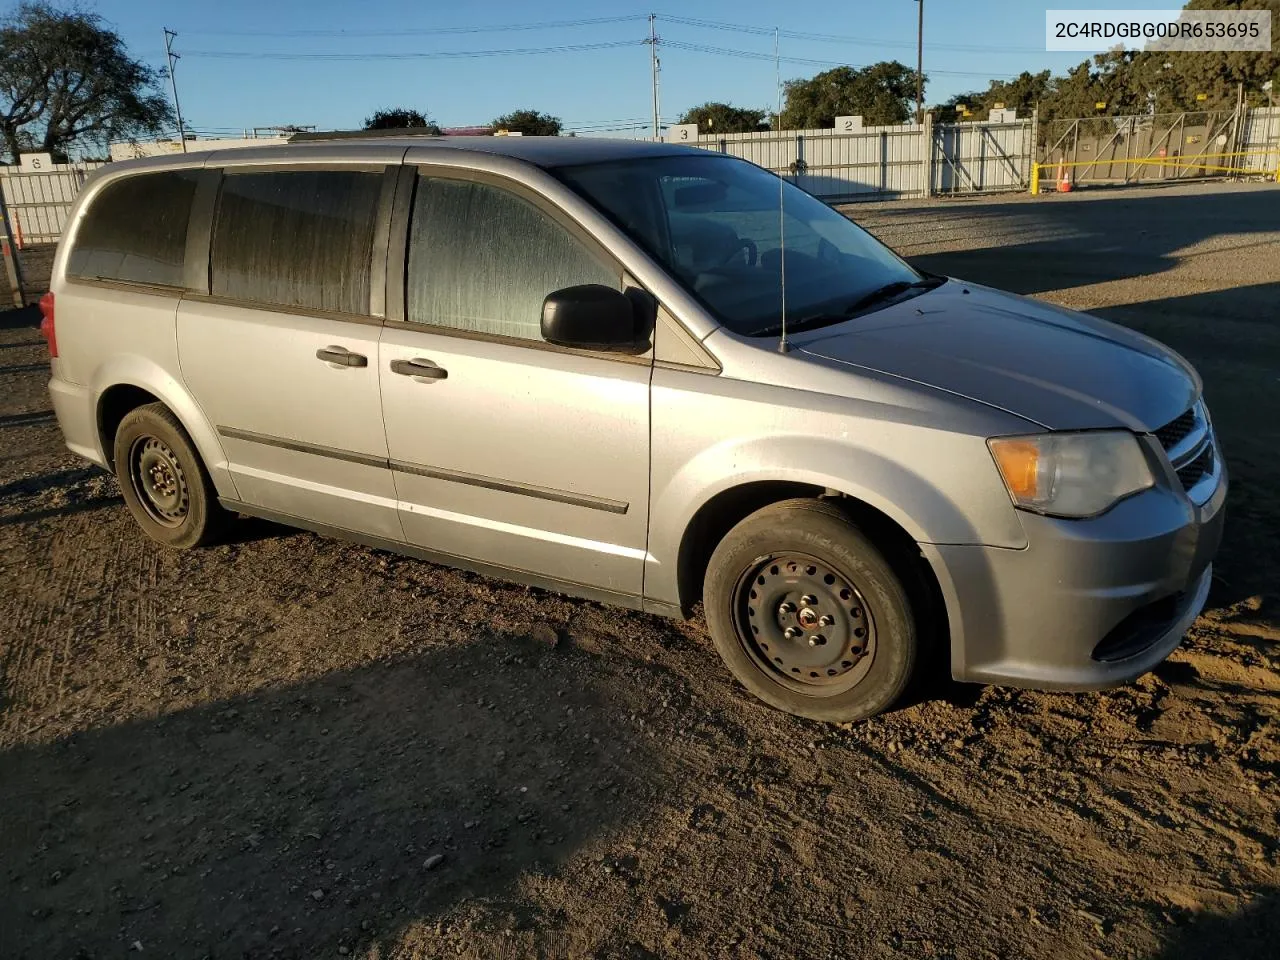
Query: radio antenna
[783,346]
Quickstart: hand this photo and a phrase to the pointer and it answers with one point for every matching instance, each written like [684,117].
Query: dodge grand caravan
[648,375]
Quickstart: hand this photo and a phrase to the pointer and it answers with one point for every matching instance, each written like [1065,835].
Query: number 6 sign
[34,162]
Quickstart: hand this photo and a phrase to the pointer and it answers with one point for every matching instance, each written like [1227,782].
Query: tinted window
[136,230]
[481,258]
[299,238]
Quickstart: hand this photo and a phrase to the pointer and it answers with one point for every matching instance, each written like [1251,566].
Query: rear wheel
[164,484]
[809,615]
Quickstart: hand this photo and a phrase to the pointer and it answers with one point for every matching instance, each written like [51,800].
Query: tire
[801,565]
[165,486]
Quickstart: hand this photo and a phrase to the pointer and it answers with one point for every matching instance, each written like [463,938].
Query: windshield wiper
[885,292]
[892,290]
[803,323]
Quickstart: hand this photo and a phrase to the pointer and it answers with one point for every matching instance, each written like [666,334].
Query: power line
[424,32]
[836,38]
[759,55]
[415,55]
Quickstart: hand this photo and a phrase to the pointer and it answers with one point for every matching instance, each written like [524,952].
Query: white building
[156,148]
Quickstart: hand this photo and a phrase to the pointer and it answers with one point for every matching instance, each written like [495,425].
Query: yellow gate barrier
[1177,163]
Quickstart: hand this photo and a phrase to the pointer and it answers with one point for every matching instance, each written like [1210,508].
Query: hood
[1060,369]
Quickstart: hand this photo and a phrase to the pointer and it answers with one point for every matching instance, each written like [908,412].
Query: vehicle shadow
[1251,934]
[14,319]
[307,818]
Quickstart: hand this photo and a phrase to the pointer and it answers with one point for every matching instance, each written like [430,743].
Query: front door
[507,451]
[282,354]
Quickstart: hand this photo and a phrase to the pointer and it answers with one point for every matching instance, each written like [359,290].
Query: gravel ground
[293,747]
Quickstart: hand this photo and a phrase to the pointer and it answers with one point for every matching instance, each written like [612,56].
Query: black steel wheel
[163,480]
[158,481]
[809,615]
[804,621]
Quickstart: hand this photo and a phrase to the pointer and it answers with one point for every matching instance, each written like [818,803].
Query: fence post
[12,267]
[1033,149]
[926,155]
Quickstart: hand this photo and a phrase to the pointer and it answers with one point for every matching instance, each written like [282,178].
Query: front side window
[296,238]
[721,226]
[483,259]
[135,230]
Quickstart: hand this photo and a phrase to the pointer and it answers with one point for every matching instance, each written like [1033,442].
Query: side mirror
[595,317]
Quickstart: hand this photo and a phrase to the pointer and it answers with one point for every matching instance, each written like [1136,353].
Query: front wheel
[809,615]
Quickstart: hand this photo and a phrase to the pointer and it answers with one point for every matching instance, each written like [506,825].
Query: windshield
[714,223]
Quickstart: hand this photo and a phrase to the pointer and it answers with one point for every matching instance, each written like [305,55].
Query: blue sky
[966,41]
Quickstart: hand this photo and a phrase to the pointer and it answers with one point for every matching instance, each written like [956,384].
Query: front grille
[1188,443]
[1174,431]
[1197,469]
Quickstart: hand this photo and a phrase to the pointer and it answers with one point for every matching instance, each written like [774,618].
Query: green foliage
[725,118]
[66,80]
[401,118]
[531,123]
[1129,82]
[1021,93]
[882,93]
[1215,75]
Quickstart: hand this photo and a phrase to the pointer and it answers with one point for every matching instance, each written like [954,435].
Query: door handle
[342,356]
[419,367]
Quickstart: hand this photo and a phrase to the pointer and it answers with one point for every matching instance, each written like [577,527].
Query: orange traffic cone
[1064,182]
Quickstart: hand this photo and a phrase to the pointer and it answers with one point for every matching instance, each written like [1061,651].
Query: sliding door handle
[342,356]
[419,367]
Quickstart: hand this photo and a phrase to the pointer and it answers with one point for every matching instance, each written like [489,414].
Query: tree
[401,118]
[1022,93]
[725,118]
[66,80]
[531,123]
[1213,73]
[882,93]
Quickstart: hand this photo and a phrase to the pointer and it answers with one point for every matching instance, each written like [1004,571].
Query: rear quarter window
[135,230]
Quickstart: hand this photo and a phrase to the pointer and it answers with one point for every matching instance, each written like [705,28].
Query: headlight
[1071,474]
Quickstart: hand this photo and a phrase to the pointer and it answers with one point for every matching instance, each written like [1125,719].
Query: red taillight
[46,325]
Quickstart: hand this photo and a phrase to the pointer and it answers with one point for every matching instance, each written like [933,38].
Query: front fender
[930,511]
[148,375]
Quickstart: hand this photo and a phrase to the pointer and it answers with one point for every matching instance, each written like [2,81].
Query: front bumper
[1088,603]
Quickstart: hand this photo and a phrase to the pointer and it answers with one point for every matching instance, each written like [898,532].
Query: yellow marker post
[1035,179]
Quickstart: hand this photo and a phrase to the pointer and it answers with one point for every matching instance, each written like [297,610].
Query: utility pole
[653,63]
[920,65]
[170,56]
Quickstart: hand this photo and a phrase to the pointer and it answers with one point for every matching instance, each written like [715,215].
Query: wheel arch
[132,382]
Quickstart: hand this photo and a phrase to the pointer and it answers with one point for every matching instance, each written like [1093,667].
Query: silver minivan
[648,375]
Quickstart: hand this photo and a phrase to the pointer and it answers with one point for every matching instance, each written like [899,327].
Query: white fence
[880,163]
[1261,140]
[38,203]
[872,163]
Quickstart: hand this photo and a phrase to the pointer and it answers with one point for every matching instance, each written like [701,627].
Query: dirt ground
[293,747]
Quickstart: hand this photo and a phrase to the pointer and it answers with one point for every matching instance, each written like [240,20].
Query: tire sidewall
[146,421]
[826,535]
